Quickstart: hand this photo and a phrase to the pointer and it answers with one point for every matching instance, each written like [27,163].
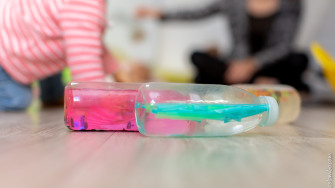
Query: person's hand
[110,64]
[147,12]
[213,50]
[133,73]
[241,71]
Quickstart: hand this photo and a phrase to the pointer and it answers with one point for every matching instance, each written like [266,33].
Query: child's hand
[133,73]
[109,62]
[147,12]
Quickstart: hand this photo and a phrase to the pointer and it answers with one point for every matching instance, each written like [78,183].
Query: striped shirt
[38,38]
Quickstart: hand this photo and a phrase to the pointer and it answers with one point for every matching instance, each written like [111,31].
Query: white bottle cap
[270,117]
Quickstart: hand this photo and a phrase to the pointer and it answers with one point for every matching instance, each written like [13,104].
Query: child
[38,38]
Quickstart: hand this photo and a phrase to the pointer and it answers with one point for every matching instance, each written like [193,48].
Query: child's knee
[19,98]
[22,101]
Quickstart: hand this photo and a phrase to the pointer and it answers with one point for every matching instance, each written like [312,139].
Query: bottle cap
[270,117]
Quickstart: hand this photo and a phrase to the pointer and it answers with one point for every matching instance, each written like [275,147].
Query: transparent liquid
[100,109]
[195,119]
[288,99]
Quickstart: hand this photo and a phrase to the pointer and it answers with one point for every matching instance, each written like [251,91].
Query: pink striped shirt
[38,38]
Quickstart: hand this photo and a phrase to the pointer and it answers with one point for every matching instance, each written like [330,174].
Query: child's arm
[111,65]
[82,23]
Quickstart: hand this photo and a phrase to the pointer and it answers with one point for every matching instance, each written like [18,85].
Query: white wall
[122,28]
[326,32]
[316,14]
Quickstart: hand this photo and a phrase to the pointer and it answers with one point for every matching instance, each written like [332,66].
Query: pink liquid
[100,109]
[163,126]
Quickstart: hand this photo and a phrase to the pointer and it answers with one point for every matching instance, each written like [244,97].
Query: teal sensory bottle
[195,110]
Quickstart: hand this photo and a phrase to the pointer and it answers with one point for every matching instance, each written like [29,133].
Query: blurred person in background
[263,32]
[38,38]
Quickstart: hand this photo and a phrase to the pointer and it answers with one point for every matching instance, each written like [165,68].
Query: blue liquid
[198,112]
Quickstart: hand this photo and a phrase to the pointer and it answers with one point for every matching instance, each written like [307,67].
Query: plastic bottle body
[164,109]
[100,106]
[287,97]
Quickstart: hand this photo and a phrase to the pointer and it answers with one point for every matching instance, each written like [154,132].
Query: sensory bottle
[170,109]
[288,99]
[100,106]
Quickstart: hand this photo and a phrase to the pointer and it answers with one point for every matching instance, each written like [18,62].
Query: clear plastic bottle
[287,97]
[100,106]
[166,109]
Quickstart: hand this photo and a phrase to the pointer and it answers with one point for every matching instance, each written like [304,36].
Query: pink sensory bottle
[100,106]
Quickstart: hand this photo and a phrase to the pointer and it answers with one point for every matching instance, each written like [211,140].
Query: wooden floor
[38,151]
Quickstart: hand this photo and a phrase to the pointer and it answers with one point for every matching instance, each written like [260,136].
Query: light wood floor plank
[38,151]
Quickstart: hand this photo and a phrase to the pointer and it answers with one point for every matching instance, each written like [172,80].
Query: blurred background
[166,47]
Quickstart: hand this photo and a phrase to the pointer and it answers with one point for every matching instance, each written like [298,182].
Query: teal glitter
[198,112]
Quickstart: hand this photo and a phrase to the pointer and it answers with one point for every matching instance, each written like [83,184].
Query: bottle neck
[270,116]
